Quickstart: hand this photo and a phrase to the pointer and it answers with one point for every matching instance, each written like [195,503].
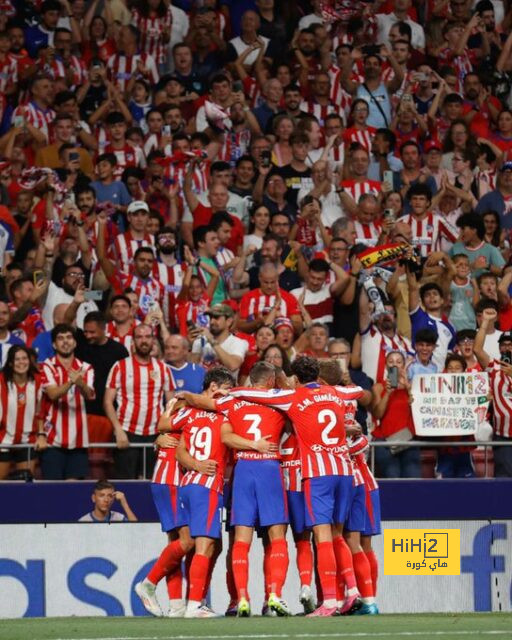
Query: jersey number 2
[327,417]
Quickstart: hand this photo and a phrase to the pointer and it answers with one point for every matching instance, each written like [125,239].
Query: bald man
[186,376]
[262,306]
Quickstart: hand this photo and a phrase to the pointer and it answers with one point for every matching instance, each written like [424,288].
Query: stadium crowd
[213,196]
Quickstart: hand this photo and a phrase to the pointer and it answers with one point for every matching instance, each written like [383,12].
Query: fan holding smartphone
[392,408]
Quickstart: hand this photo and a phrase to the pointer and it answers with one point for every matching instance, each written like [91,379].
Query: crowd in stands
[192,183]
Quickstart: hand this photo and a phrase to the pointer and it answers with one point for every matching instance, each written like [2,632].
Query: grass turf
[497,626]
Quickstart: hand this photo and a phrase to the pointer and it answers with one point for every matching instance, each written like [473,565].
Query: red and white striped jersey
[152,33]
[321,111]
[374,348]
[126,340]
[8,72]
[317,413]
[172,280]
[252,422]
[57,69]
[125,246]
[201,433]
[364,138]
[128,156]
[192,311]
[255,302]
[319,304]
[148,291]
[357,189]
[66,418]
[501,387]
[140,388]
[290,461]
[428,232]
[367,232]
[336,156]
[252,91]
[18,407]
[121,68]
[357,448]
[38,118]
[167,470]
[200,177]
[235,145]
[338,94]
[463,64]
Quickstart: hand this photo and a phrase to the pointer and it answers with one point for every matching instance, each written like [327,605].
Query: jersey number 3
[254,427]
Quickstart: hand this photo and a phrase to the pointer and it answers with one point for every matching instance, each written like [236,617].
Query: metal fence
[424,444]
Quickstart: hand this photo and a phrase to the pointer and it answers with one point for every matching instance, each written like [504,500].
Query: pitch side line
[257,636]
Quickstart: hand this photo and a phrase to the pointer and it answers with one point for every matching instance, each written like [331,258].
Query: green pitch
[495,626]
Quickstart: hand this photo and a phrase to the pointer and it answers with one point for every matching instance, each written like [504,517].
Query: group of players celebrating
[280,452]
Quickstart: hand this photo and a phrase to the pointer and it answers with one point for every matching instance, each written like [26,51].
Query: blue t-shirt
[416,369]
[43,346]
[420,319]
[116,192]
[189,377]
[491,254]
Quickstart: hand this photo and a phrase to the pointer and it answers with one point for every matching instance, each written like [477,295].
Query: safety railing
[424,444]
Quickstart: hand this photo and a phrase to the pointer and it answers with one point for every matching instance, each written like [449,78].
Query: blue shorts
[201,510]
[372,521]
[327,499]
[296,511]
[356,520]
[165,497]
[258,497]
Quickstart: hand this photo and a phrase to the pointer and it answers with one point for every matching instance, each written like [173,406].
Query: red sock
[198,577]
[167,562]
[304,561]
[363,574]
[230,579]
[240,562]
[267,577]
[175,584]
[326,566]
[344,568]
[374,568]
[211,567]
[278,565]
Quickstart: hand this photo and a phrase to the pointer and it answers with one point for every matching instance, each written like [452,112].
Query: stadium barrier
[90,570]
[484,447]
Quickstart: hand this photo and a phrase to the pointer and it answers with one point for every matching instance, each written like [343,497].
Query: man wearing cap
[127,243]
[137,276]
[500,384]
[500,199]
[256,306]
[217,345]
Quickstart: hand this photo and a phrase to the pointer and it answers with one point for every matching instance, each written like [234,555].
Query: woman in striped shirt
[20,396]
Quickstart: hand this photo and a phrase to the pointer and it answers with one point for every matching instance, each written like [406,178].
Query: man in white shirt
[386,20]
[217,345]
[73,278]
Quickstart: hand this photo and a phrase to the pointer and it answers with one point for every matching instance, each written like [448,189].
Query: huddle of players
[297,457]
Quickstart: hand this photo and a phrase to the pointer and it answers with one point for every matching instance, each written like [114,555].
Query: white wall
[90,569]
